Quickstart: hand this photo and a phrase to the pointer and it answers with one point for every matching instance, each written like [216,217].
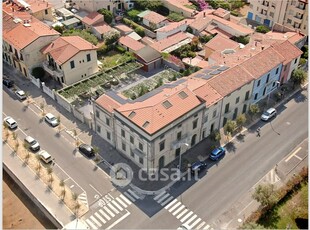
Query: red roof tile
[209,94]
[92,18]
[287,50]
[64,48]
[154,17]
[130,43]
[102,27]
[108,103]
[169,41]
[221,43]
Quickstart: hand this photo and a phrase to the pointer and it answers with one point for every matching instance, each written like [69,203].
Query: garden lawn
[296,207]
[114,60]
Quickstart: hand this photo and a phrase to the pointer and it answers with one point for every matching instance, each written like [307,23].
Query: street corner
[121,174]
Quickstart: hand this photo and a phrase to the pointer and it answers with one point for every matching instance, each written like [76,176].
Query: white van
[45,156]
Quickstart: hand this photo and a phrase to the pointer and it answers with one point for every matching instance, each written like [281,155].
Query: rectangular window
[267,80]
[227,108]
[277,70]
[162,146]
[46,11]
[224,121]
[177,152]
[132,154]
[162,136]
[196,115]
[88,57]
[98,129]
[180,125]
[247,95]
[214,113]
[123,132]
[141,160]
[179,135]
[97,114]
[141,146]
[285,68]
[131,140]
[295,61]
[108,135]
[237,100]
[258,83]
[235,114]
[195,122]
[72,64]
[107,121]
[206,119]
[255,97]
[124,146]
[244,108]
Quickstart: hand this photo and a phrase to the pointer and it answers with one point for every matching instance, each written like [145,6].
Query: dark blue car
[217,153]
[198,166]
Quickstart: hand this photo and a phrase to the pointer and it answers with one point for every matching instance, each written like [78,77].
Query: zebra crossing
[116,208]
[181,212]
[83,198]
[272,177]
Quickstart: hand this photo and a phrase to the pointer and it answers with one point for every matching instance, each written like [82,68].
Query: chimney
[204,14]
[263,47]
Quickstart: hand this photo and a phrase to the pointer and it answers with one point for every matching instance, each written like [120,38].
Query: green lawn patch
[115,59]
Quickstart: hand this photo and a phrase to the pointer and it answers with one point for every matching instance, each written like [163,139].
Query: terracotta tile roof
[208,93]
[169,41]
[217,30]
[130,43]
[21,36]
[201,23]
[7,22]
[102,27]
[123,28]
[35,6]
[287,50]
[263,62]
[221,12]
[174,25]
[221,43]
[147,40]
[92,18]
[230,80]
[154,17]
[293,37]
[108,103]
[64,48]
[181,4]
[161,109]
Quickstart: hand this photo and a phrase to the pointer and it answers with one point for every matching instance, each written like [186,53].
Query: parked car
[87,150]
[20,94]
[33,144]
[198,166]
[51,119]
[217,153]
[270,113]
[10,122]
[45,157]
[8,83]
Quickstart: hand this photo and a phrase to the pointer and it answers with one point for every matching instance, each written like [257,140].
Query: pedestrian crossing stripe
[96,221]
[104,214]
[178,210]
[100,217]
[206,227]
[133,194]
[121,202]
[92,226]
[117,205]
[112,207]
[195,223]
[83,198]
[167,201]
[125,199]
[175,206]
[191,219]
[164,197]
[130,197]
[108,211]
[185,217]
[167,206]
[200,225]
[159,195]
[182,213]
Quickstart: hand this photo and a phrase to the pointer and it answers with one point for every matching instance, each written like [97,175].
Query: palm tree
[26,146]
[59,126]
[63,191]
[16,147]
[77,206]
[96,152]
[49,171]
[38,166]
[14,135]
[6,135]
[42,107]
[74,196]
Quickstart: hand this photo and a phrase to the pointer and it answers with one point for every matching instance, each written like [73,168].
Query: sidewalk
[36,189]
[110,155]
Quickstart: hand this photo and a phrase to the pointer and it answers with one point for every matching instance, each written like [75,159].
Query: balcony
[177,143]
[301,6]
[298,18]
[52,70]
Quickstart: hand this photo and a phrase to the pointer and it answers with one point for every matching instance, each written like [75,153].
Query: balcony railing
[52,70]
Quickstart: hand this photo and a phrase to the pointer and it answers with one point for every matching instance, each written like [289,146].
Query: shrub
[262,29]
[302,61]
[38,72]
[205,38]
[108,17]
[176,17]
[139,30]
[83,34]
[111,37]
[133,14]
[234,13]
[304,49]
[59,29]
[242,39]
[120,49]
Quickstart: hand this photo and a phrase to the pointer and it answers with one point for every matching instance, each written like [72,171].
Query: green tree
[205,38]
[150,5]
[96,152]
[59,29]
[252,225]
[108,17]
[42,107]
[262,29]
[253,110]
[299,76]
[74,197]
[215,135]
[26,146]
[133,14]
[86,35]
[49,171]
[62,185]
[242,39]
[230,126]
[265,195]
[304,49]
[140,30]
[241,119]
[38,72]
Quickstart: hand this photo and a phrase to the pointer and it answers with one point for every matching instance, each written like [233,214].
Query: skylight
[183,95]
[167,104]
[145,124]
[132,114]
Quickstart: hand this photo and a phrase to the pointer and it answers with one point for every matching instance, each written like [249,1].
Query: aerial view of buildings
[188,114]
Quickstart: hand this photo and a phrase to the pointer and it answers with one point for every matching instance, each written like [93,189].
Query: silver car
[10,122]
[20,94]
[33,144]
[51,119]
[270,113]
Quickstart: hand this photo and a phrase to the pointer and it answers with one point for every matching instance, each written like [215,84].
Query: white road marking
[159,195]
[175,200]
[133,194]
[299,158]
[167,201]
[178,210]
[119,220]
[104,214]
[195,223]
[100,218]
[182,213]
[117,205]
[121,202]
[112,207]
[96,221]
[164,197]
[108,210]
[175,206]
[191,219]
[200,225]
[296,151]
[185,217]
[130,197]
[91,224]
[125,199]
[206,227]
[95,189]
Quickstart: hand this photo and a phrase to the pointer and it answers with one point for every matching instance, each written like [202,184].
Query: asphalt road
[78,172]
[245,164]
